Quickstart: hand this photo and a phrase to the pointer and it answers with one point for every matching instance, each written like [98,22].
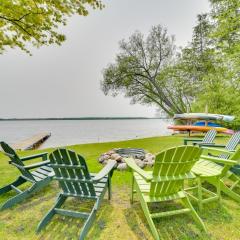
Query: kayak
[197,128]
[208,124]
[204,116]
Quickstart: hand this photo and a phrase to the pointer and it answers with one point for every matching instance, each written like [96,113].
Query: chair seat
[42,173]
[100,186]
[145,189]
[205,168]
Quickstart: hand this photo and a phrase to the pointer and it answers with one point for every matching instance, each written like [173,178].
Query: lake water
[69,132]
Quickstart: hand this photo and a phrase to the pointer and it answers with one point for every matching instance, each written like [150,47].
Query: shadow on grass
[67,228]
[44,194]
[178,227]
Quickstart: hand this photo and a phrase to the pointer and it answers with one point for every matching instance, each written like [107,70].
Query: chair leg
[149,219]
[219,190]
[194,214]
[200,197]
[109,187]
[229,192]
[233,177]
[88,223]
[147,212]
[22,195]
[14,200]
[132,189]
[8,187]
[60,200]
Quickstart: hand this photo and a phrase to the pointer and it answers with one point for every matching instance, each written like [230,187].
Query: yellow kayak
[197,128]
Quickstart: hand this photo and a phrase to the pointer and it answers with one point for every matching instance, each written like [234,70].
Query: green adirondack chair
[75,180]
[38,178]
[229,147]
[208,139]
[208,169]
[165,182]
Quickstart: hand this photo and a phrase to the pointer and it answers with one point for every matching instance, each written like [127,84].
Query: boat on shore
[204,116]
[192,128]
[204,125]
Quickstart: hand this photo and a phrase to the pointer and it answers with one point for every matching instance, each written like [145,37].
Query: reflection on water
[68,132]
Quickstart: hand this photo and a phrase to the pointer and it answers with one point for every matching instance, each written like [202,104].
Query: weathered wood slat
[42,171]
[39,175]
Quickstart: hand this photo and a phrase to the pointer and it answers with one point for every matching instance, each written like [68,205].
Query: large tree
[35,22]
[142,71]
[222,85]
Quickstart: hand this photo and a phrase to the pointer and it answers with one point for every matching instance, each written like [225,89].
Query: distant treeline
[80,118]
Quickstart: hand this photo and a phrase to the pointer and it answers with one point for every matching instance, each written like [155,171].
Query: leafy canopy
[205,72]
[141,71]
[35,22]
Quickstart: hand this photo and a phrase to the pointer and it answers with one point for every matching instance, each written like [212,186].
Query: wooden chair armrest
[186,140]
[218,150]
[206,144]
[36,165]
[105,171]
[212,145]
[131,163]
[17,165]
[39,155]
[218,160]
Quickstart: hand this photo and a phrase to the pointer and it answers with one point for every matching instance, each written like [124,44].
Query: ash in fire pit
[141,158]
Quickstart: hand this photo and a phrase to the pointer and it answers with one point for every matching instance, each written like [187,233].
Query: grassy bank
[116,219]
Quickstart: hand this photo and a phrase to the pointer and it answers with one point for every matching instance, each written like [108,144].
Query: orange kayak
[196,128]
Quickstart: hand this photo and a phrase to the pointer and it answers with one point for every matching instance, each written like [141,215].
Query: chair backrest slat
[234,157]
[8,151]
[209,136]
[83,186]
[75,178]
[58,173]
[233,142]
[171,163]
[231,145]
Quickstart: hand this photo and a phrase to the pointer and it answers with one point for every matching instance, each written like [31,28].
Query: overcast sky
[65,81]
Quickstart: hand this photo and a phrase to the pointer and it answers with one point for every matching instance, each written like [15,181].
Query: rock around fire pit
[141,158]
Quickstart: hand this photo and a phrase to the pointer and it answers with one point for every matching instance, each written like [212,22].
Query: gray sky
[64,81]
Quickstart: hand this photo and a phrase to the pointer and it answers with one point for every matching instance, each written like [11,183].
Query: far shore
[81,118]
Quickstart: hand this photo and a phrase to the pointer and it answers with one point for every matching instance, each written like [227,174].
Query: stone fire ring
[141,158]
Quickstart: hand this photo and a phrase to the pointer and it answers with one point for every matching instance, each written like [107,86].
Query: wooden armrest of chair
[218,160]
[186,140]
[17,165]
[212,145]
[36,165]
[219,150]
[206,144]
[39,155]
[105,171]
[131,163]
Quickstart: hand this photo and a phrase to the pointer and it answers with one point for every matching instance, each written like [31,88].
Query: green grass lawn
[116,219]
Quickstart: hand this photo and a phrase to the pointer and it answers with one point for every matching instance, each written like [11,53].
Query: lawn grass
[116,219]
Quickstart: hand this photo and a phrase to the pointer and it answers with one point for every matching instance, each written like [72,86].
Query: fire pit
[141,158]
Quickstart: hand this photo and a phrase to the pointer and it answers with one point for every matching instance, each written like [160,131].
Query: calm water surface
[68,132]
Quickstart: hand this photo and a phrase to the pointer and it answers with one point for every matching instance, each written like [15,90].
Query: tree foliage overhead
[37,21]
[140,71]
[221,85]
[205,72]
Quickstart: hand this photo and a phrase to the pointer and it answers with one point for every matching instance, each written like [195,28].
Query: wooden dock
[31,143]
